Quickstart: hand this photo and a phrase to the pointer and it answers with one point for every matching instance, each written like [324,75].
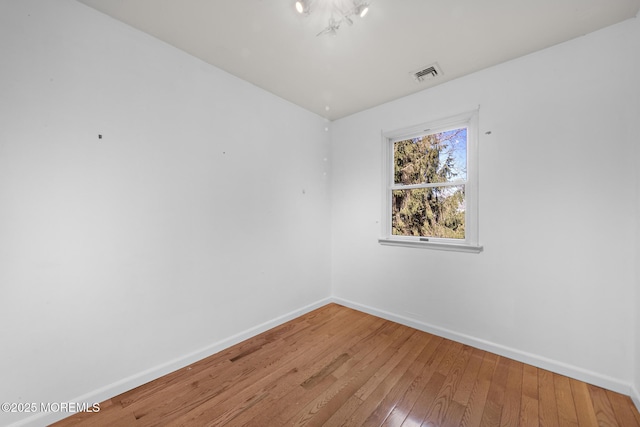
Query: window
[430,190]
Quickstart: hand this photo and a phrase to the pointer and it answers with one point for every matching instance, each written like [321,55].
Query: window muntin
[430,185]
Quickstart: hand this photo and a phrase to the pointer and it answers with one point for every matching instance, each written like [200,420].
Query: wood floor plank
[602,407]
[374,337]
[305,368]
[428,397]
[475,408]
[357,407]
[455,410]
[454,415]
[635,411]
[547,403]
[584,405]
[342,397]
[443,401]
[425,400]
[622,409]
[335,366]
[401,411]
[324,405]
[529,403]
[393,396]
[495,397]
[567,415]
[411,348]
[401,403]
[373,392]
[220,405]
[463,393]
[510,416]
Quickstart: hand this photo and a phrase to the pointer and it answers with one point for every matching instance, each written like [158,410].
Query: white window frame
[471,241]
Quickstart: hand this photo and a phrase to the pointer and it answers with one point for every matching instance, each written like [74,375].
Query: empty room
[323,212]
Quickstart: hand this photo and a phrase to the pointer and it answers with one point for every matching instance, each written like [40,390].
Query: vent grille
[426,73]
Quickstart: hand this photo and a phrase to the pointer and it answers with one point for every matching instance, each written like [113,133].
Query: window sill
[456,247]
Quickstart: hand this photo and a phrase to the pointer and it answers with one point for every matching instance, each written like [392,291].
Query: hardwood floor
[339,367]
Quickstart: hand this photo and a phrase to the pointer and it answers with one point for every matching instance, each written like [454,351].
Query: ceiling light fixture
[361,9]
[340,11]
[302,6]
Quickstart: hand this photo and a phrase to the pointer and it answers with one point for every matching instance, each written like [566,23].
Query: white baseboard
[144,377]
[521,356]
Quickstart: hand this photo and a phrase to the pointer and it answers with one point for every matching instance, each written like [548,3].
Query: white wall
[202,213]
[555,283]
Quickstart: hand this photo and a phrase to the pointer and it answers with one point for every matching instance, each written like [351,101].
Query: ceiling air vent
[426,73]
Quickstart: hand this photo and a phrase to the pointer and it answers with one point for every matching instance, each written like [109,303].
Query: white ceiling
[267,43]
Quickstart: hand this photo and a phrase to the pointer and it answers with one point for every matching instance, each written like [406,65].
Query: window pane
[429,212]
[439,157]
